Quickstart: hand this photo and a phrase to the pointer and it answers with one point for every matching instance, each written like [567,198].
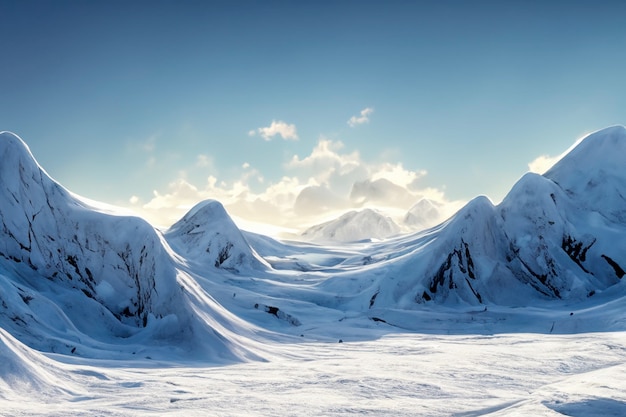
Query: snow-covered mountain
[207,234]
[423,214]
[557,236]
[353,226]
[75,279]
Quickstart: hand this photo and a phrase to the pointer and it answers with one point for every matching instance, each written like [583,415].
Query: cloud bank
[315,188]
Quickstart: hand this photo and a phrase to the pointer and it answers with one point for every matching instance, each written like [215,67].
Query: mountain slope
[593,173]
[66,241]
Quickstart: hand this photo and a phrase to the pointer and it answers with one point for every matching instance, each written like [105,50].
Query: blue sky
[139,103]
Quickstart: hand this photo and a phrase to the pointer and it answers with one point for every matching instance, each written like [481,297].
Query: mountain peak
[593,172]
[13,148]
[208,235]
[354,226]
[205,210]
[603,149]
[6,137]
[13,144]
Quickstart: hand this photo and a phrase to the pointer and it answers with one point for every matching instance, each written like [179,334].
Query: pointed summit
[208,235]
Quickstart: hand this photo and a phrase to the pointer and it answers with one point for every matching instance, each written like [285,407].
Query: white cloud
[277,128]
[316,199]
[316,187]
[363,118]
[543,163]
[203,161]
[133,200]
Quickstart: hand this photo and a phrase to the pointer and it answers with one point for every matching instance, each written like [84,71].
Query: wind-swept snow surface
[398,375]
[527,297]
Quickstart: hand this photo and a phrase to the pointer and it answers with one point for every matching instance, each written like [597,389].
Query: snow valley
[512,309]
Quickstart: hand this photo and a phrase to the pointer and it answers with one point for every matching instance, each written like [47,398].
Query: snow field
[397,375]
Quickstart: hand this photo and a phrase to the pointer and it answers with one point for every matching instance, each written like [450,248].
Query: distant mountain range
[359,225]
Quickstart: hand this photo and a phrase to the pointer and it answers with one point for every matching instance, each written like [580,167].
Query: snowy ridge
[60,238]
[592,173]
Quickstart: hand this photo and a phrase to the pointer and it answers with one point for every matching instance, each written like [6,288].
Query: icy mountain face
[114,260]
[567,228]
[207,235]
[353,226]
